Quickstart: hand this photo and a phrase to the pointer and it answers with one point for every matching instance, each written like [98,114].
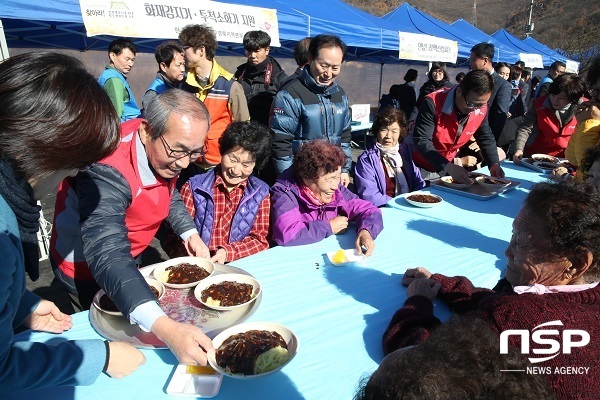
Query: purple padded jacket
[295,220]
[369,176]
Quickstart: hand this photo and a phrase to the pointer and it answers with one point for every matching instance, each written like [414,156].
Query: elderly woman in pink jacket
[308,202]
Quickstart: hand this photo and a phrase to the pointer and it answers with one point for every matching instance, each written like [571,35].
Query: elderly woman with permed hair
[552,275]
[386,169]
[309,203]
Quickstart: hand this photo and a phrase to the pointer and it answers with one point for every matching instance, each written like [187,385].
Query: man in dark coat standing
[481,59]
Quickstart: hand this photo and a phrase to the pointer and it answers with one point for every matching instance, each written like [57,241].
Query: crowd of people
[233,163]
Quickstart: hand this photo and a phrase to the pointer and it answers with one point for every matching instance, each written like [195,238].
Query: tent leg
[3,46]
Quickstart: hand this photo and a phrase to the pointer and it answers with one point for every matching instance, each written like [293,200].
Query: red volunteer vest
[149,207]
[551,139]
[446,127]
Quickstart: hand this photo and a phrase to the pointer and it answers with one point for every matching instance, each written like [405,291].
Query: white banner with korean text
[415,46]
[532,60]
[164,20]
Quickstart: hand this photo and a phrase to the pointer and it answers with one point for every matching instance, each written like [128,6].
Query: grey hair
[161,106]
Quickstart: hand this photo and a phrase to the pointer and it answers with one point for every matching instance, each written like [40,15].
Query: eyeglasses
[473,106]
[193,155]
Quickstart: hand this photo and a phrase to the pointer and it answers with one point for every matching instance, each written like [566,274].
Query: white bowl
[216,279]
[161,275]
[492,186]
[448,181]
[151,282]
[419,204]
[287,334]
[351,255]
[545,158]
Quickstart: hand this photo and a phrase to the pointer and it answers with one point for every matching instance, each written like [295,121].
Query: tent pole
[380,80]
[3,46]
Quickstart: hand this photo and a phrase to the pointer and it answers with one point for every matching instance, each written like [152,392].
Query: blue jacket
[158,86]
[130,108]
[295,220]
[303,111]
[27,365]
[369,176]
[201,187]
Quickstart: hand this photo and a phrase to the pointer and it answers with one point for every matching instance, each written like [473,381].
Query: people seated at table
[460,360]
[437,78]
[587,131]
[309,203]
[549,124]
[108,215]
[53,123]
[447,120]
[590,166]
[229,205]
[386,169]
[552,274]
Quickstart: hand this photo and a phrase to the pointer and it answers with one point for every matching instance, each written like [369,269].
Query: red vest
[446,127]
[551,139]
[149,207]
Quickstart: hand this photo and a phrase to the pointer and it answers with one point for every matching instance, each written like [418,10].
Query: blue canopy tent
[407,17]
[571,64]
[502,51]
[508,39]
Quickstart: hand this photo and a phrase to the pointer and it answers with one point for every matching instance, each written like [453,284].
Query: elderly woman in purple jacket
[308,203]
[386,169]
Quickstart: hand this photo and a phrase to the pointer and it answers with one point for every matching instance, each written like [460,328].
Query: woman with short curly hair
[309,203]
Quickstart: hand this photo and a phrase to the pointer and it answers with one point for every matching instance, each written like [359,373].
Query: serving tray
[180,305]
[475,191]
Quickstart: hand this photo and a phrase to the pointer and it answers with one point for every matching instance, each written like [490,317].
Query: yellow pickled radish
[339,257]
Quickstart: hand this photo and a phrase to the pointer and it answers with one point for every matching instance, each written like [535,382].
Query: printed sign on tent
[572,66]
[164,20]
[531,60]
[414,46]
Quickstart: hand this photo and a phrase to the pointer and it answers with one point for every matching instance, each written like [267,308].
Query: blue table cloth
[338,313]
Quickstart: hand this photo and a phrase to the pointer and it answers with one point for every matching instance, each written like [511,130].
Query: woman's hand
[364,239]
[338,224]
[220,256]
[48,318]
[423,287]
[413,274]
[587,110]
[196,247]
[123,359]
[517,156]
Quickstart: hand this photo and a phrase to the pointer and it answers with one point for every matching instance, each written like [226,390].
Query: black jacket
[259,93]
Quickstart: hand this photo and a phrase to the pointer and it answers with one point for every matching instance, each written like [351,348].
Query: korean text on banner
[414,46]
[146,19]
[531,60]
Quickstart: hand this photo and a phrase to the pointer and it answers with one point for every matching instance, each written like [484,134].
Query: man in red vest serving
[109,213]
[447,120]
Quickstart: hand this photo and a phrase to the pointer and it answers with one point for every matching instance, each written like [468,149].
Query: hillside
[549,17]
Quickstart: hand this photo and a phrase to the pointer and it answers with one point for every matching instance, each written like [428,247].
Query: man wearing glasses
[447,120]
[499,102]
[109,213]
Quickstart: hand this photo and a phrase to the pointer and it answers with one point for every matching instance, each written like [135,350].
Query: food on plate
[107,304]
[424,198]
[544,158]
[227,294]
[183,273]
[253,352]
[339,257]
[546,165]
[491,181]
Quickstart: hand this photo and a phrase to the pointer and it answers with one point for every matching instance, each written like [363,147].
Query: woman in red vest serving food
[447,120]
[549,124]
